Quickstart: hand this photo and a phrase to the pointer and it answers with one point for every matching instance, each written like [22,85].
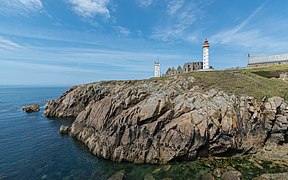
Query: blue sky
[67,42]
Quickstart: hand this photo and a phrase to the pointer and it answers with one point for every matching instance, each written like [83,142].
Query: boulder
[31,108]
[232,175]
[64,129]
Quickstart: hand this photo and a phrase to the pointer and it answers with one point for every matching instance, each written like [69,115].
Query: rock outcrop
[31,108]
[64,130]
[159,121]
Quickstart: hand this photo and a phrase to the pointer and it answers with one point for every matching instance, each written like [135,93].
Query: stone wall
[192,66]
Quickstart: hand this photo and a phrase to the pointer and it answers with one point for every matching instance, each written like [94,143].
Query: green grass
[283,67]
[250,82]
[270,71]
[268,74]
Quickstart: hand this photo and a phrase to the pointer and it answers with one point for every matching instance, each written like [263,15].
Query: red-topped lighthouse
[206,54]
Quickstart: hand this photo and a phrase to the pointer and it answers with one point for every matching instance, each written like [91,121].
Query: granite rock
[31,108]
[162,121]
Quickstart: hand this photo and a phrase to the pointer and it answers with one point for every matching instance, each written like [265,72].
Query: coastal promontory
[175,118]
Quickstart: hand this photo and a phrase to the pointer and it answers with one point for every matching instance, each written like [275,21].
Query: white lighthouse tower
[206,55]
[157,68]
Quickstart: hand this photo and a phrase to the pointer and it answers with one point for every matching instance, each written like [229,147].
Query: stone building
[172,71]
[270,60]
[188,67]
[192,66]
[179,70]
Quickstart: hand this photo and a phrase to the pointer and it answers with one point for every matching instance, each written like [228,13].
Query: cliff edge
[176,118]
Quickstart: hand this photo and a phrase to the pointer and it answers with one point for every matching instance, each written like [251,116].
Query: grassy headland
[257,82]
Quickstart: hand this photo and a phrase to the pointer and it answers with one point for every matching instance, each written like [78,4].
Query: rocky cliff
[172,119]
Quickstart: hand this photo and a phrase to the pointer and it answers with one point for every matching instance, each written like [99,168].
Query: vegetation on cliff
[257,82]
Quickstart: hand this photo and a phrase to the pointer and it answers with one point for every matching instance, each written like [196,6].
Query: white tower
[206,54]
[157,69]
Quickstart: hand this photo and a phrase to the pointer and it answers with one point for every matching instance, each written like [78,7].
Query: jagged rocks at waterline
[168,120]
[64,130]
[31,108]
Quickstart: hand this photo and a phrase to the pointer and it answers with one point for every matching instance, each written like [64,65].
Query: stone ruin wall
[188,67]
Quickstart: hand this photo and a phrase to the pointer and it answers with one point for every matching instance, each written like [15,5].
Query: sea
[32,148]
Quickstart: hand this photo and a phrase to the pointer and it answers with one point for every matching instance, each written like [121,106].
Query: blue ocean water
[32,148]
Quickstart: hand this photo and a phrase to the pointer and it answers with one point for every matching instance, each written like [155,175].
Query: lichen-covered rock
[31,108]
[232,175]
[162,121]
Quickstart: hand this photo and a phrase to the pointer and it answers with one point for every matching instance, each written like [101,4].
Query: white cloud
[174,5]
[91,8]
[47,67]
[254,40]
[144,3]
[139,33]
[8,44]
[123,32]
[169,33]
[258,38]
[180,17]
[20,6]
[32,4]
[81,65]
[181,21]
[245,22]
